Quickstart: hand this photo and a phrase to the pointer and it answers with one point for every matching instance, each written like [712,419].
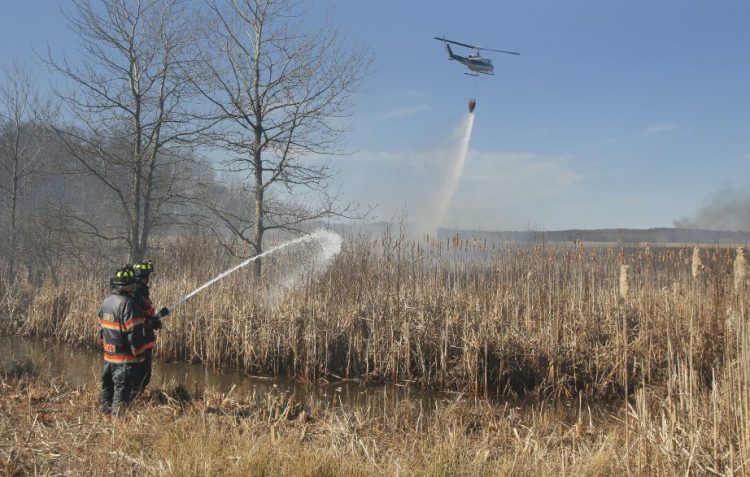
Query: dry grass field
[53,429]
[659,334]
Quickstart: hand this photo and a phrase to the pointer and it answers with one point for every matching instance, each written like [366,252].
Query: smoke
[727,210]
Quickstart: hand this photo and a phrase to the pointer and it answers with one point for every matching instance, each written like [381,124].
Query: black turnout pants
[144,371]
[118,384]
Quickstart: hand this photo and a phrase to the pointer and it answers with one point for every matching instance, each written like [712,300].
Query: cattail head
[624,280]
[739,269]
[697,265]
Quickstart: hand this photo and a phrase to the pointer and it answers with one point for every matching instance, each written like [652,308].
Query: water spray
[448,189]
[331,243]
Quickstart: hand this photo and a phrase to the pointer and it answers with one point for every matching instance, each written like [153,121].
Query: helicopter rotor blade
[474,47]
[455,42]
[498,51]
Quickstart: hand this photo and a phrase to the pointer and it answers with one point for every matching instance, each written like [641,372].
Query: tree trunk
[14,201]
[257,154]
[136,254]
[13,218]
[258,209]
[147,203]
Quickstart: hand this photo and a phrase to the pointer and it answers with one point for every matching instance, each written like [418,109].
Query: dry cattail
[739,269]
[697,265]
[624,280]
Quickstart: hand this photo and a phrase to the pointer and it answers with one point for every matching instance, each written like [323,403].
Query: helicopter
[475,63]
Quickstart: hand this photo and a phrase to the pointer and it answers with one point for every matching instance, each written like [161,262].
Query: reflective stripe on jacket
[121,329]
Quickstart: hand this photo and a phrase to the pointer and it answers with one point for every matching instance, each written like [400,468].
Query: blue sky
[617,114]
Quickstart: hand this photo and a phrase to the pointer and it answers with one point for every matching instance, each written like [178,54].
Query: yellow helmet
[144,268]
[124,276]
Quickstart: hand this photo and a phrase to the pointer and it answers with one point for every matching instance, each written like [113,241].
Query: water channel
[80,366]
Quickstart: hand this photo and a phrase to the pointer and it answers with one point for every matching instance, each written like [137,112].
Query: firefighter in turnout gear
[121,331]
[143,271]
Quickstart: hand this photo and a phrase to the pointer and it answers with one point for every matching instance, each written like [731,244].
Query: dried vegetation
[659,333]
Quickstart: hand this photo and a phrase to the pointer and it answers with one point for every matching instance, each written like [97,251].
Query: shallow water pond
[79,366]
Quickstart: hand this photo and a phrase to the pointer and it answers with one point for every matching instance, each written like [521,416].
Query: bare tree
[127,109]
[22,116]
[280,93]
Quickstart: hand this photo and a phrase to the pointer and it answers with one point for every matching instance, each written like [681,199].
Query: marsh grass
[547,323]
[682,429]
[466,315]
[740,269]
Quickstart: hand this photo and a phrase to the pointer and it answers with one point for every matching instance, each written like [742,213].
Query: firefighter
[143,271]
[121,330]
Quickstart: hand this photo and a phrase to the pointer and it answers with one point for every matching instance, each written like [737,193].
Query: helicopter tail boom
[451,56]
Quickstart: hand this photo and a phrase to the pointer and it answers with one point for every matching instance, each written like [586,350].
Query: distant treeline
[660,235]
[656,235]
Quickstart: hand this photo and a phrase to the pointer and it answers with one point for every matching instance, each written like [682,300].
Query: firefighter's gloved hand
[156,322]
[163,312]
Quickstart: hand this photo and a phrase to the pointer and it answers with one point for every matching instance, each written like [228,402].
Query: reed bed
[491,319]
[50,428]
[630,360]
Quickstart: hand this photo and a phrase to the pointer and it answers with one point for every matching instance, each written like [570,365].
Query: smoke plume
[727,210]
